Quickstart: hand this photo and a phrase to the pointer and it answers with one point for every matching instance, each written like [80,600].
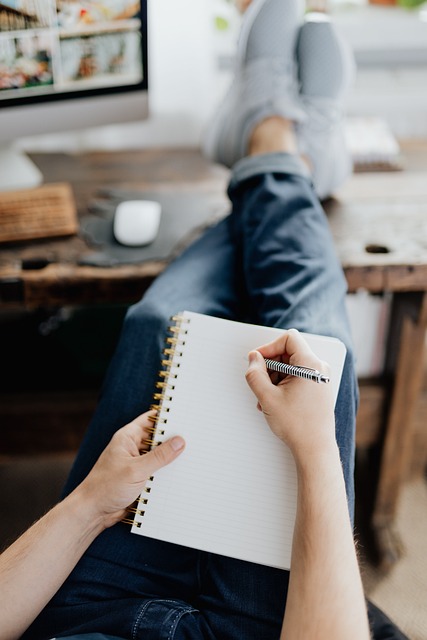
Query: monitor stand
[17,171]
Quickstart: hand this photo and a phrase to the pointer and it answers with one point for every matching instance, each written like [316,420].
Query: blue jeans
[270,262]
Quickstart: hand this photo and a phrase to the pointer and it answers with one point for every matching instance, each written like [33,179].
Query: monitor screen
[69,64]
[56,49]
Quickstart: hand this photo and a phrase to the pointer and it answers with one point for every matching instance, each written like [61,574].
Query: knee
[147,315]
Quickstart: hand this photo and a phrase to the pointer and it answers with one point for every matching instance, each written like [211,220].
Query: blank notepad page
[233,490]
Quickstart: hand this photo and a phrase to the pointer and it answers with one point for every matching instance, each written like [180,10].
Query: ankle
[273,135]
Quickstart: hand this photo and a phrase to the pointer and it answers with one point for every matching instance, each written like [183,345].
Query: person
[271,262]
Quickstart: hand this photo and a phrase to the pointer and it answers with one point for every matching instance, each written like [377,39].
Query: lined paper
[233,490]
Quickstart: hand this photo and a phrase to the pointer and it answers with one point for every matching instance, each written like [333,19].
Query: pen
[296,370]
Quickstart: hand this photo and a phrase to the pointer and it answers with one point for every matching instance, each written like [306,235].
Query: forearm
[325,597]
[35,566]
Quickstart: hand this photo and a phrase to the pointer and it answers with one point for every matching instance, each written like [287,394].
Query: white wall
[391,47]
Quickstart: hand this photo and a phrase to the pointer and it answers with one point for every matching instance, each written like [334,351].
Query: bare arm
[325,578]
[325,597]
[34,567]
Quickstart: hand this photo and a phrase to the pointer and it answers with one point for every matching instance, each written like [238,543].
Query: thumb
[258,378]
[162,455]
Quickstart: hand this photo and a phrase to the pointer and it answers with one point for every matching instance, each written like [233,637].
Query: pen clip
[314,371]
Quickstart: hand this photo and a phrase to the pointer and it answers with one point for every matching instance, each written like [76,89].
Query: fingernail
[177,443]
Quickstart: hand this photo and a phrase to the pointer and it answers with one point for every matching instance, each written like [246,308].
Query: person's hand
[300,412]
[121,471]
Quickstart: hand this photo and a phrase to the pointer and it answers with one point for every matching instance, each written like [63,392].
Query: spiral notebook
[233,490]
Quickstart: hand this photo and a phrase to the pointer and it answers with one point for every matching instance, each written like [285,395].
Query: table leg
[405,355]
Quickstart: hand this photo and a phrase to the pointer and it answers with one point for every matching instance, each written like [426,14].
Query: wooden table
[379,222]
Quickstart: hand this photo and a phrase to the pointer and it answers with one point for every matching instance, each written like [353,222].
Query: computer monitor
[67,65]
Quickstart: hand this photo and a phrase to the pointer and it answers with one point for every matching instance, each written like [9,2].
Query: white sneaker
[265,82]
[326,71]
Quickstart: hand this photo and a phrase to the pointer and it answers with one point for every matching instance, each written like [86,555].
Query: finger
[258,378]
[162,455]
[138,430]
[293,345]
[144,421]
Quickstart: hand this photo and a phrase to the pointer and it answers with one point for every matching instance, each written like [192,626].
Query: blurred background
[389,41]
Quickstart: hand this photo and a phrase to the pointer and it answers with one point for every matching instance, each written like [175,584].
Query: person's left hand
[123,468]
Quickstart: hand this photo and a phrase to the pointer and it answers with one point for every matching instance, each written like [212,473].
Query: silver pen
[296,370]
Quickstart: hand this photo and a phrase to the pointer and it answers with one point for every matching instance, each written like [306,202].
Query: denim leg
[241,599]
[120,570]
[292,279]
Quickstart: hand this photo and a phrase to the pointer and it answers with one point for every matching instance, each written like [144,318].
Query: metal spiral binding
[161,397]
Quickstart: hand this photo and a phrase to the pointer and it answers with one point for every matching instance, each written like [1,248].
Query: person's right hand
[300,412]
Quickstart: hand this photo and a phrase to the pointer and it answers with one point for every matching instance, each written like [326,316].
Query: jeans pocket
[168,620]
